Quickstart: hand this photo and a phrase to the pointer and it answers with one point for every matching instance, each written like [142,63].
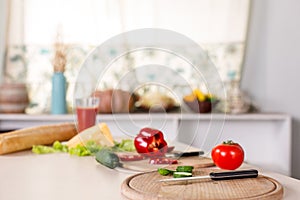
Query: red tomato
[228,155]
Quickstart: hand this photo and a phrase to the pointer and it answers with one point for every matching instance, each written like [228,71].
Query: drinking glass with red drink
[86,110]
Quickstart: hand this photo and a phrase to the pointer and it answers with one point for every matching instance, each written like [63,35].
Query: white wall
[272,63]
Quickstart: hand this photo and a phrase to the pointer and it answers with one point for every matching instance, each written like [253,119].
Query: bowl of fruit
[200,102]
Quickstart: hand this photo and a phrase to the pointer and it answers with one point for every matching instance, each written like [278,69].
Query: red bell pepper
[151,143]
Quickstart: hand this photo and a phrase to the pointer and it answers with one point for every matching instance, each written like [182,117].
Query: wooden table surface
[27,176]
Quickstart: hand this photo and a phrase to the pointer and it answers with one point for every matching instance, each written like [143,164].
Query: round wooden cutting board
[144,166]
[146,186]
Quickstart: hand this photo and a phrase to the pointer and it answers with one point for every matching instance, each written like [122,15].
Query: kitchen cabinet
[265,137]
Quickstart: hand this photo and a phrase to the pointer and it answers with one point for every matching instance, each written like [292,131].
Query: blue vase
[58,101]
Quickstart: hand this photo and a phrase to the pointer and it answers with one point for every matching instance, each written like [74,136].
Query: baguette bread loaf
[41,135]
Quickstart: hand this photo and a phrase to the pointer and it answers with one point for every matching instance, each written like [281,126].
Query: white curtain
[3,24]
[15,22]
[93,21]
[13,28]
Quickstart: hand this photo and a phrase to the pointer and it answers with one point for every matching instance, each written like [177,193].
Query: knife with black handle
[249,173]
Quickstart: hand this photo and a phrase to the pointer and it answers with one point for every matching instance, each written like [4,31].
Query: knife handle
[250,173]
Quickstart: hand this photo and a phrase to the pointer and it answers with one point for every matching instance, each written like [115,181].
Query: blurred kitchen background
[33,27]
[252,43]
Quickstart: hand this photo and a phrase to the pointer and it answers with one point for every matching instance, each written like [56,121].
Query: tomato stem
[228,142]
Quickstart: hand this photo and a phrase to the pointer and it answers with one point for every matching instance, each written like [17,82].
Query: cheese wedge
[99,133]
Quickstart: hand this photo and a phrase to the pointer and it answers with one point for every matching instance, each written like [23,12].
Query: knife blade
[177,154]
[249,173]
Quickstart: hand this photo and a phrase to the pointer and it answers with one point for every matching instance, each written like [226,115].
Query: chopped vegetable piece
[150,142]
[130,157]
[107,158]
[79,151]
[185,169]
[182,174]
[125,145]
[93,147]
[56,148]
[41,149]
[164,171]
[162,160]
[60,147]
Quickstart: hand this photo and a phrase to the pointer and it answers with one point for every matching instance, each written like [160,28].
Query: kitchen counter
[27,176]
[267,131]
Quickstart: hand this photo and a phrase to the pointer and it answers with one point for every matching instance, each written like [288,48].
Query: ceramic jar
[13,98]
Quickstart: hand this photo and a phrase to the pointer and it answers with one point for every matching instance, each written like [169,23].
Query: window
[219,26]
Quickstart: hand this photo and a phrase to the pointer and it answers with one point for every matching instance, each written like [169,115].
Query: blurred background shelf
[17,121]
